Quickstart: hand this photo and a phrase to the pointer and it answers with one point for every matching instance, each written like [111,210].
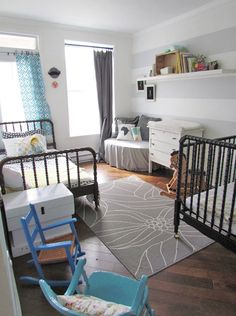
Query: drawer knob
[174,138]
[42,210]
[153,144]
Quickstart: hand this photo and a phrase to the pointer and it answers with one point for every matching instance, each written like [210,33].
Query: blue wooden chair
[106,286]
[58,249]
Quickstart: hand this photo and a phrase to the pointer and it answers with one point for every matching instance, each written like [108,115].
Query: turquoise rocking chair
[59,249]
[105,287]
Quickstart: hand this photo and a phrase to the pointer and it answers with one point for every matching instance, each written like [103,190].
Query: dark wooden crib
[206,188]
[78,186]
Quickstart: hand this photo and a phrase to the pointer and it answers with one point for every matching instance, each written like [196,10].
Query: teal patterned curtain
[32,86]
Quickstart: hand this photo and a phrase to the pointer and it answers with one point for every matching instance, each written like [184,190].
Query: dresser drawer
[165,137]
[160,158]
[163,147]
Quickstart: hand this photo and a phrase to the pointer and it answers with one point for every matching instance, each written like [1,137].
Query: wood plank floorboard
[202,284]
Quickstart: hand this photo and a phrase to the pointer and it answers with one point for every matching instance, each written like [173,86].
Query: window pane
[82,91]
[15,41]
[10,96]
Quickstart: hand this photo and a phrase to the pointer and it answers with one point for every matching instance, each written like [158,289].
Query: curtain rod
[19,52]
[83,45]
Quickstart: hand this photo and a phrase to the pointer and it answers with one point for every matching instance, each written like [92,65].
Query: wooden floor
[203,284]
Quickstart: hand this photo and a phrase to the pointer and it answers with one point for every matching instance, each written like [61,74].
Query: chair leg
[149,310]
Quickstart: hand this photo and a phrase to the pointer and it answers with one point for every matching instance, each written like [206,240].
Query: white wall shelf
[192,75]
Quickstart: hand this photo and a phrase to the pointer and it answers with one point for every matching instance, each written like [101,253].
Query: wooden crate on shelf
[171,59]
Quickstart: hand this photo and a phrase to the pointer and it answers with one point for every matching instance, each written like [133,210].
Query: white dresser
[53,202]
[164,138]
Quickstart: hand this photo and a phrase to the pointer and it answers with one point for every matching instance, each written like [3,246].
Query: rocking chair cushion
[91,305]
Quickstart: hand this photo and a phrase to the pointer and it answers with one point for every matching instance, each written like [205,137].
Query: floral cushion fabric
[90,305]
[31,145]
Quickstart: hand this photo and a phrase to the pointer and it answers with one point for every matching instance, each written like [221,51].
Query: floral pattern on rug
[136,223]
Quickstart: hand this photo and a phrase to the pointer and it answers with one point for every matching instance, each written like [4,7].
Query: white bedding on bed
[218,207]
[13,176]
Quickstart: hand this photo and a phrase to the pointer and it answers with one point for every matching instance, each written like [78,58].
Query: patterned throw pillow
[7,135]
[136,133]
[31,145]
[90,305]
[124,120]
[125,132]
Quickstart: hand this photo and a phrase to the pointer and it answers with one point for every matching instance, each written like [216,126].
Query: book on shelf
[191,62]
[186,59]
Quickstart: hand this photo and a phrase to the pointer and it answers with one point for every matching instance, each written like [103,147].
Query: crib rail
[206,186]
[45,125]
[78,187]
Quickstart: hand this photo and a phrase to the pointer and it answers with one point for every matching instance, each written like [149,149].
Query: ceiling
[128,16]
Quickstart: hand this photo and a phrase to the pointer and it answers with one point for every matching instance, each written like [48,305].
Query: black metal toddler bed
[206,189]
[53,166]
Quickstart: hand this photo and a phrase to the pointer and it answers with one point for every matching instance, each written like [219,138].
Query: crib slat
[201,177]
[46,169]
[208,177]
[77,164]
[186,173]
[216,185]
[35,172]
[57,169]
[192,182]
[68,170]
[23,174]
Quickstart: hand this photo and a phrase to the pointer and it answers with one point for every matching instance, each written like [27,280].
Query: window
[82,90]
[18,42]
[10,96]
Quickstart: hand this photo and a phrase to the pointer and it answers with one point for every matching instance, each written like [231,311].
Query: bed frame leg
[176,219]
[96,198]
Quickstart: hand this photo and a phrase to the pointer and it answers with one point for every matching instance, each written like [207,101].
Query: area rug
[136,223]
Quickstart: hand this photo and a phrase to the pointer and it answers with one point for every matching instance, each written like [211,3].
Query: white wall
[51,46]
[9,300]
[210,31]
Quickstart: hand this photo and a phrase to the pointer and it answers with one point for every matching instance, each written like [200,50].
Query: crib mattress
[227,208]
[14,181]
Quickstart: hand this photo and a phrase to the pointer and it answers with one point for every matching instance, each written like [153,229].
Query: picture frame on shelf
[150,92]
[140,84]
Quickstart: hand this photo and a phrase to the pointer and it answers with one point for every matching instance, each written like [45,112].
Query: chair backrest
[103,285]
[114,287]
[32,228]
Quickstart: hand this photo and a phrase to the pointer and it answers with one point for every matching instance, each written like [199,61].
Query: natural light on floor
[82,91]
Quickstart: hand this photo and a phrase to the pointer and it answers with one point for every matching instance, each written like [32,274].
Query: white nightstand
[53,202]
[164,138]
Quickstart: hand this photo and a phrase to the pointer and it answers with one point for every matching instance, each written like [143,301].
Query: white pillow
[21,146]
[124,132]
[12,178]
[11,146]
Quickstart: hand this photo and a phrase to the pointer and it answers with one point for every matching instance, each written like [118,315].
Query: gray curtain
[103,71]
